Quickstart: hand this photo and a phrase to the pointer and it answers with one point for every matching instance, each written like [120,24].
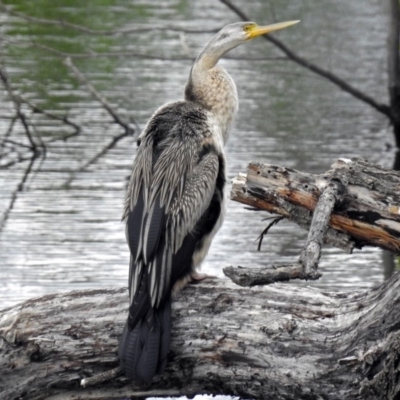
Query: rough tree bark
[276,342]
[367,213]
[353,205]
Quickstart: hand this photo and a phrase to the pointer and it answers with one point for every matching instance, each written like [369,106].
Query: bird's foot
[193,278]
[196,277]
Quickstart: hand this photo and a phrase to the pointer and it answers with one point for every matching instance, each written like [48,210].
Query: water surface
[64,231]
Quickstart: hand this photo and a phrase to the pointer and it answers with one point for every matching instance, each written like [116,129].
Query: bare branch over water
[102,32]
[382,108]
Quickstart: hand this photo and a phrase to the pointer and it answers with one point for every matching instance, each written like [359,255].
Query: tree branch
[265,276]
[13,162]
[7,134]
[19,189]
[128,129]
[17,105]
[367,213]
[64,119]
[331,196]
[80,56]
[382,108]
[101,153]
[110,32]
[28,124]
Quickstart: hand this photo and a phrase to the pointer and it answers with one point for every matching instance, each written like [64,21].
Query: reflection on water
[64,230]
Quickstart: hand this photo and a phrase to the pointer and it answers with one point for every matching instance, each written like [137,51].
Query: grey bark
[368,213]
[353,205]
[276,342]
[319,225]
[264,276]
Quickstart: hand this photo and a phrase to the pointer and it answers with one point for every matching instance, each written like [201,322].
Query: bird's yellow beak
[256,30]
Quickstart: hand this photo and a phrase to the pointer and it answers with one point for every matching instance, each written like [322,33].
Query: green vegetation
[36,69]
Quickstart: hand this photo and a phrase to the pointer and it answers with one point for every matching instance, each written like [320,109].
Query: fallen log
[261,343]
[275,342]
[353,205]
[369,209]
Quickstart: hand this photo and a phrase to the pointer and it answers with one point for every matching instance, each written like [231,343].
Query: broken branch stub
[353,205]
[369,213]
[311,253]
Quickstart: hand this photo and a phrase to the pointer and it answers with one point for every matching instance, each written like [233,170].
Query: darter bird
[175,199]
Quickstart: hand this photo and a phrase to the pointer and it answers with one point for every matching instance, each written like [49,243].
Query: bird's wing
[173,183]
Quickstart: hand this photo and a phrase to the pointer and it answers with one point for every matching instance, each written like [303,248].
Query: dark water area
[63,230]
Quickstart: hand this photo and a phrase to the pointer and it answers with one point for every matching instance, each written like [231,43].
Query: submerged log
[275,342]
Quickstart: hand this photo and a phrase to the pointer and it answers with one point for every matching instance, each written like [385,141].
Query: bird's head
[233,35]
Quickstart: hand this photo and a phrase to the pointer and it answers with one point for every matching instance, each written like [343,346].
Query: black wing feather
[150,334]
[134,226]
[140,303]
[129,350]
[153,228]
[165,321]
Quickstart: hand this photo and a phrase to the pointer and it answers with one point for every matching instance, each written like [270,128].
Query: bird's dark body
[172,207]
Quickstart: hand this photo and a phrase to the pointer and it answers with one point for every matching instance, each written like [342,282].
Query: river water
[62,231]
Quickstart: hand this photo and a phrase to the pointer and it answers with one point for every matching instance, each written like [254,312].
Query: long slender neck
[213,88]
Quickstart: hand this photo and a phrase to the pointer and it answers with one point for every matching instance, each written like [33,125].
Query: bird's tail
[143,350]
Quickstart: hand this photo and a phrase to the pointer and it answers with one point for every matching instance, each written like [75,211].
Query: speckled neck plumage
[215,90]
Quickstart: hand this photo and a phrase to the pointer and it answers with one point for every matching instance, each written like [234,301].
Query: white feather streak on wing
[167,271]
[168,178]
[173,164]
[183,215]
[167,268]
[141,175]
[199,189]
[140,245]
[135,280]
[144,234]
[154,284]
[184,187]
[141,238]
[150,268]
[157,294]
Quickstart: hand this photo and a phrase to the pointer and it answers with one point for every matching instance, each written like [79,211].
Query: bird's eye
[248,28]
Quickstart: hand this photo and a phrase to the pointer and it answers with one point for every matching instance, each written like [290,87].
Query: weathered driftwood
[353,205]
[264,276]
[331,195]
[276,342]
[369,212]
[269,343]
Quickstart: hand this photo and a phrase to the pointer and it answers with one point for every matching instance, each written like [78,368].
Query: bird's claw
[196,277]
